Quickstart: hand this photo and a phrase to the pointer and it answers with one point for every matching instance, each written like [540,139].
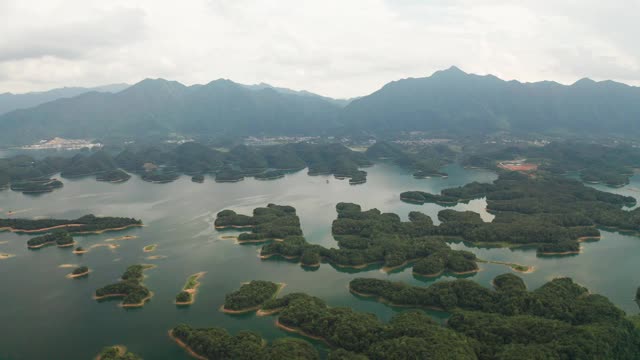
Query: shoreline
[300,332]
[121,351]
[149,248]
[140,304]
[222,227]
[74,276]
[193,291]
[186,347]
[25,231]
[49,243]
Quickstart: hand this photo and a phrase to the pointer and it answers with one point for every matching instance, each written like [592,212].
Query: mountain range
[10,102]
[449,100]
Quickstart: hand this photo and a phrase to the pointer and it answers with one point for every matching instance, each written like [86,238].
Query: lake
[45,315]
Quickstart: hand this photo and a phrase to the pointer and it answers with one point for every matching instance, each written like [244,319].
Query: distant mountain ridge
[454,100]
[448,101]
[10,102]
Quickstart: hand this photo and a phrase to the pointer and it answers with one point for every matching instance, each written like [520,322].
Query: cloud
[336,48]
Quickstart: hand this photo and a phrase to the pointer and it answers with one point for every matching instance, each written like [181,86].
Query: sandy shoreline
[14,230]
[185,347]
[387,302]
[299,332]
[73,276]
[193,291]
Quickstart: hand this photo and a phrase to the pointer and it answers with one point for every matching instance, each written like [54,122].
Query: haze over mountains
[10,102]
[448,101]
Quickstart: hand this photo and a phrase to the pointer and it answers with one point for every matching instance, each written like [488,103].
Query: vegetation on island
[80,271]
[117,352]
[113,176]
[36,186]
[166,162]
[250,296]
[187,295]
[548,211]
[130,288]
[59,238]
[217,343]
[150,248]
[84,224]
[594,163]
[571,322]
[364,237]
[424,161]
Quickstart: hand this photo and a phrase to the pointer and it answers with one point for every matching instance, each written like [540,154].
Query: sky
[335,48]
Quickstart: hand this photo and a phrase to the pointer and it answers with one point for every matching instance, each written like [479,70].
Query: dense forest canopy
[547,210]
[86,223]
[130,287]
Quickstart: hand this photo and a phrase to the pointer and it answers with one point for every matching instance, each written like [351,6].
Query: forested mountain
[160,107]
[454,100]
[448,101]
[10,102]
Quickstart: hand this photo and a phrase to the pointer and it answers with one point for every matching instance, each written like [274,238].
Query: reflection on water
[43,304]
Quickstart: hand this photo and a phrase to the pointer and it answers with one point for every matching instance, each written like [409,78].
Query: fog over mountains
[448,101]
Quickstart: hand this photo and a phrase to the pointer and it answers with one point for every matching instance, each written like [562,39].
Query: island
[80,250]
[116,352]
[160,176]
[150,248]
[130,288]
[4,256]
[198,178]
[229,175]
[88,224]
[59,238]
[188,294]
[250,296]
[483,323]
[80,271]
[217,343]
[113,176]
[36,186]
[547,211]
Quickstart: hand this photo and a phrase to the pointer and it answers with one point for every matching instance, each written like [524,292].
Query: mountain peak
[453,71]
[584,81]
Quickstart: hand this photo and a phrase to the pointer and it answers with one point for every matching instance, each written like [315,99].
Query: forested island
[188,294]
[117,352]
[610,164]
[548,211]
[165,163]
[130,288]
[83,225]
[364,238]
[80,271]
[58,238]
[424,161]
[113,176]
[217,343]
[198,178]
[250,296]
[36,186]
[570,323]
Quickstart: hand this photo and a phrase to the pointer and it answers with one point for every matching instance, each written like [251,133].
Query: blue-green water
[44,315]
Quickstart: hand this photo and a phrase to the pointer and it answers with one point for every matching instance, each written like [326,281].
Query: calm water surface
[44,315]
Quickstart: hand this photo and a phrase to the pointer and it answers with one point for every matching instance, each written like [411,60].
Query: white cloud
[336,48]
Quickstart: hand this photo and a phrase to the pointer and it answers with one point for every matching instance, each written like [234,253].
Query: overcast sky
[338,48]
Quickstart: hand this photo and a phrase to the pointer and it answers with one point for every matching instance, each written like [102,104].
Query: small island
[4,256]
[80,250]
[458,262]
[188,294]
[160,176]
[150,248]
[58,238]
[116,352]
[79,272]
[113,176]
[36,186]
[88,224]
[250,296]
[198,178]
[130,288]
